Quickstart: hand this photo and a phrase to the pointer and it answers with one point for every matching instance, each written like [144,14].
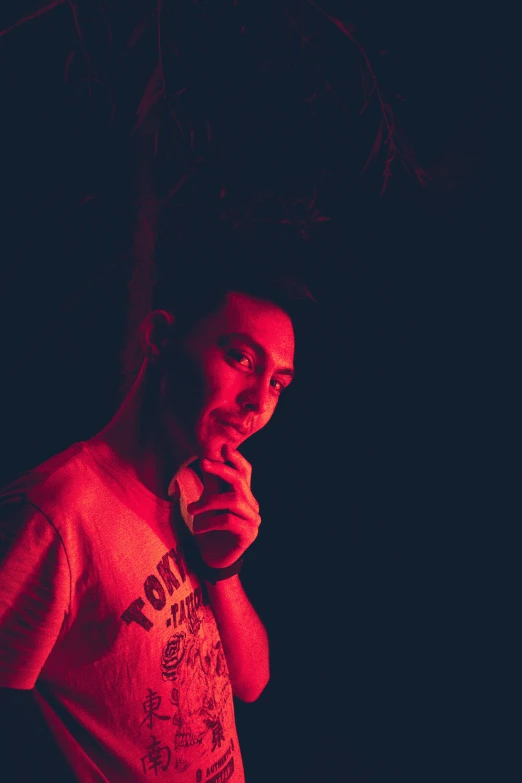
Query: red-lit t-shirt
[100,613]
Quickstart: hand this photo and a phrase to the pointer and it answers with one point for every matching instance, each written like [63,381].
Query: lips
[237,427]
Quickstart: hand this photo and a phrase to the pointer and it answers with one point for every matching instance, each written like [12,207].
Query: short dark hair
[191,280]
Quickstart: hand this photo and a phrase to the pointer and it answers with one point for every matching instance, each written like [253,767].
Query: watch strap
[214,575]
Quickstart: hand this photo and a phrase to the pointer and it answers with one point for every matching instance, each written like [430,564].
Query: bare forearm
[244,638]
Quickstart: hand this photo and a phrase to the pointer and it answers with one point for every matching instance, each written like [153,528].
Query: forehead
[263,321]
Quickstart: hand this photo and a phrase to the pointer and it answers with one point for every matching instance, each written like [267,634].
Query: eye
[241,358]
[278,386]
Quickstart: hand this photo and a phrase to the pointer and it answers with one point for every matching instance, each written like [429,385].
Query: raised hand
[226,522]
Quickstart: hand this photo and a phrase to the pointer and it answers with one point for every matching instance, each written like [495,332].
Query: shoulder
[51,484]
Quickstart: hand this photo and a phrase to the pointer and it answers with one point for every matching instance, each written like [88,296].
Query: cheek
[220,383]
[184,386]
[213,378]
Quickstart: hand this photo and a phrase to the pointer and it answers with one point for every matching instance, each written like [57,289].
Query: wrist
[214,575]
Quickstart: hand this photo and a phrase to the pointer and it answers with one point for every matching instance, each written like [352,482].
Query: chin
[211,448]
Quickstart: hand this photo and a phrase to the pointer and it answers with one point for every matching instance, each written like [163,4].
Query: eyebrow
[257,347]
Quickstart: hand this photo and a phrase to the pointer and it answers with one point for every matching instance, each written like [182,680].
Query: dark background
[375,565]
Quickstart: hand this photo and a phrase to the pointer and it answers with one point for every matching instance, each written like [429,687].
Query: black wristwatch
[214,575]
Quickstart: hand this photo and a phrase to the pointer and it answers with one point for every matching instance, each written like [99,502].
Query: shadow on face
[224,380]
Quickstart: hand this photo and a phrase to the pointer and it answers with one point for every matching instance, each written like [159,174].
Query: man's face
[240,360]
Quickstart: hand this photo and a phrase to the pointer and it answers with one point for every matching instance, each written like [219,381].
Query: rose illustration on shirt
[196,667]
[172,656]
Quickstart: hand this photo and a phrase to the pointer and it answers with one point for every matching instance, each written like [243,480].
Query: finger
[233,477]
[228,474]
[242,535]
[229,523]
[226,501]
[238,461]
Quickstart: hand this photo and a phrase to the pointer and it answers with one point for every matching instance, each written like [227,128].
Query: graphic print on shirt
[196,669]
[187,709]
[158,756]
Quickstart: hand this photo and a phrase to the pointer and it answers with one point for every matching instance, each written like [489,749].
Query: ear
[155,334]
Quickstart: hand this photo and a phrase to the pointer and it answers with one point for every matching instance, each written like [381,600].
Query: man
[123,621]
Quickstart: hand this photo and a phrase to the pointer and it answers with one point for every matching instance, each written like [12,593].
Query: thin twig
[107,22]
[29,18]
[163,86]
[344,29]
[160,52]
[74,10]
[388,120]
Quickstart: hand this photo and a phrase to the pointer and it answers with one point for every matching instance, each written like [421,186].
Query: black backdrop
[370,571]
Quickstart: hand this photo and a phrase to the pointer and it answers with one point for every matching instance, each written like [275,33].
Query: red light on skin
[234,433]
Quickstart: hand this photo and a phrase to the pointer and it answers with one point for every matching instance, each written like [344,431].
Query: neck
[140,439]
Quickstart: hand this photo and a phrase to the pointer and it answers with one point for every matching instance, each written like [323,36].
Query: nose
[256,397]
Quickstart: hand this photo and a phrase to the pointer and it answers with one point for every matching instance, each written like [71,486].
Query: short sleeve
[34,591]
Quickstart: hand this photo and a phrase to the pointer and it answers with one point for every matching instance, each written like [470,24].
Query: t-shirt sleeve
[34,591]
